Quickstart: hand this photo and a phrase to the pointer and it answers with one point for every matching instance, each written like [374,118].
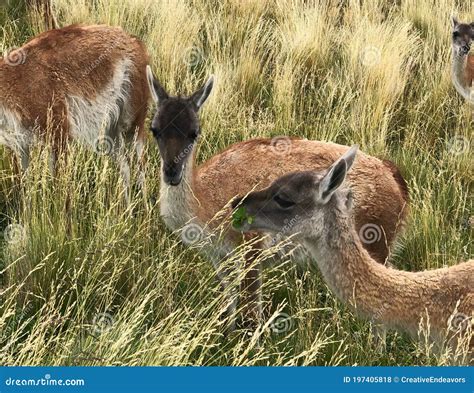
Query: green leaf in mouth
[240,217]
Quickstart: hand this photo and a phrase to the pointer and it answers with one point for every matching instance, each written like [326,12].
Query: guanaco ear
[454,21]
[336,174]
[200,96]
[350,155]
[157,91]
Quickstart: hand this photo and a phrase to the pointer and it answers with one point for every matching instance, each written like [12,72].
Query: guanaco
[463,61]
[82,82]
[202,194]
[442,298]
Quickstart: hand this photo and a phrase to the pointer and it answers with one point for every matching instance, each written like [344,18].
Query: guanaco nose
[171,171]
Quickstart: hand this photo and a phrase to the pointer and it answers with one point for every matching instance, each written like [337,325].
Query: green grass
[100,284]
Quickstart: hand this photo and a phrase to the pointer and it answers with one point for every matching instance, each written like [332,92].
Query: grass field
[101,284]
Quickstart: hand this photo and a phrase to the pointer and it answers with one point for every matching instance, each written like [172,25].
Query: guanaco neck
[375,291]
[176,202]
[458,74]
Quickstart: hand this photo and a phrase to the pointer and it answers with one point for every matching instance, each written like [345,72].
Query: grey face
[298,203]
[175,126]
[463,35]
[282,206]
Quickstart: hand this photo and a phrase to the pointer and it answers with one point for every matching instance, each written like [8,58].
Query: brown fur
[54,67]
[463,62]
[381,195]
[397,299]
[397,175]
[469,73]
[402,299]
[204,194]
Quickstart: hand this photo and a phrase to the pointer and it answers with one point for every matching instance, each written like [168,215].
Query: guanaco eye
[194,134]
[456,34]
[284,203]
[155,131]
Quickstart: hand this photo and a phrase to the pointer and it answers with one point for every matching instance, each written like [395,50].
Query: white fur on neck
[328,261]
[459,64]
[176,207]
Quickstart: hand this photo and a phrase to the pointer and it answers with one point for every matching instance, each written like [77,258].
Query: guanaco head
[299,202]
[463,35]
[175,126]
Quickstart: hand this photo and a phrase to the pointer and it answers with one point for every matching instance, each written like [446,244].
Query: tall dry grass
[101,284]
